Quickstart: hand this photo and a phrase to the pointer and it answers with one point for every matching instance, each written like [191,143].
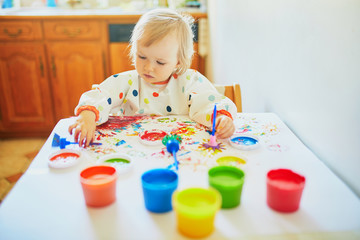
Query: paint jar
[196,209]
[229,182]
[284,190]
[99,185]
[158,186]
[230,161]
[121,162]
[152,137]
[64,158]
[244,142]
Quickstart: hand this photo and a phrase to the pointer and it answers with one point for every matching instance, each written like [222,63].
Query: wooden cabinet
[76,59]
[20,30]
[25,96]
[74,68]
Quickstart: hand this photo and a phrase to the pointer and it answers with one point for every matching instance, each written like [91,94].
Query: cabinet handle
[53,66]
[41,67]
[13,35]
[72,33]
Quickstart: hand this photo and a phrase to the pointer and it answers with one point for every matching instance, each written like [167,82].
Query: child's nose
[148,66]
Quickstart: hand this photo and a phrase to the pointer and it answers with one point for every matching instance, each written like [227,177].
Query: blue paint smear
[247,141]
[120,143]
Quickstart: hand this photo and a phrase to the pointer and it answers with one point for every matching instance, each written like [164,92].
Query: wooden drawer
[20,30]
[60,30]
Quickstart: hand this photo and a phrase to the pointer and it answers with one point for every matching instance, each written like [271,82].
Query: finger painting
[122,134]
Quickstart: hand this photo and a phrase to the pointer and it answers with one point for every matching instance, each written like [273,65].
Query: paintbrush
[212,141]
[62,142]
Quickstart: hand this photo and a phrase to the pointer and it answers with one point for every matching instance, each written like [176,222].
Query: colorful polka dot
[130,82]
[146,101]
[116,75]
[175,75]
[135,93]
[211,98]
[200,79]
[125,100]
[208,117]
[188,77]
[121,95]
[155,94]
[168,108]
[183,89]
[109,101]
[141,111]
[100,108]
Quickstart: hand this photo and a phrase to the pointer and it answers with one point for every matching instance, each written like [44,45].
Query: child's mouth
[148,76]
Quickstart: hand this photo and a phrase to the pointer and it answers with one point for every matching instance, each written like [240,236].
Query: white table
[49,204]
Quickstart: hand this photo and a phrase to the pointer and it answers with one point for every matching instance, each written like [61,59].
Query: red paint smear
[64,155]
[153,136]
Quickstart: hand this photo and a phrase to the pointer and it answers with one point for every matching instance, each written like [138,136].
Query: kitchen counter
[53,13]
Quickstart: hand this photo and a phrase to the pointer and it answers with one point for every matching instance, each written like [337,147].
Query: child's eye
[160,63]
[141,57]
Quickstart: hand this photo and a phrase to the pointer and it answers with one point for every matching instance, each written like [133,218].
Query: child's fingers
[89,139]
[225,128]
[219,124]
[71,127]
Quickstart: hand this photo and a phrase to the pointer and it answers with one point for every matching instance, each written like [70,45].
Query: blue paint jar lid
[244,142]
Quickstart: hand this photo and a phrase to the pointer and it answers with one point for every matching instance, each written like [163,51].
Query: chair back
[233,92]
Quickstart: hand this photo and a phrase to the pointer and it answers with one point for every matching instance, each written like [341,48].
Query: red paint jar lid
[152,137]
[64,158]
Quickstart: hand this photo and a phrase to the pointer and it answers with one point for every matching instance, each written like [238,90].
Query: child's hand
[84,128]
[225,127]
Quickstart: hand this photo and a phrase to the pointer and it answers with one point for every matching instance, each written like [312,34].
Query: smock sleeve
[202,96]
[106,97]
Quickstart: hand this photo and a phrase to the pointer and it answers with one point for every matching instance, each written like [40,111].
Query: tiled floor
[15,157]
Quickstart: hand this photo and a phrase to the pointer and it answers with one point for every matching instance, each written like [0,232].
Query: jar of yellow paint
[195,210]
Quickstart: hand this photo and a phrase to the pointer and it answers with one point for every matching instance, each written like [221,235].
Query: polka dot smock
[128,94]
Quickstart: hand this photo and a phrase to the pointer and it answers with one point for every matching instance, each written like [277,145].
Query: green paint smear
[117,160]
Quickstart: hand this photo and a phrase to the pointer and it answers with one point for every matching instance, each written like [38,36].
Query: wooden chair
[233,92]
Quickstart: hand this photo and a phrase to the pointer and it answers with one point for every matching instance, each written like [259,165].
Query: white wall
[301,60]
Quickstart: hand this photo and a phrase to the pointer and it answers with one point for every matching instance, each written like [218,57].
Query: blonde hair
[158,23]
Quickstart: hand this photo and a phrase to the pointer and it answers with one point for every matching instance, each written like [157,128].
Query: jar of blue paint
[158,186]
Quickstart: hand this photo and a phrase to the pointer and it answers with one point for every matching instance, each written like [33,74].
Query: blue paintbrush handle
[214,121]
[176,161]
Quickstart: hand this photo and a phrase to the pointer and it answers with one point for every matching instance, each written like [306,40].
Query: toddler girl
[162,84]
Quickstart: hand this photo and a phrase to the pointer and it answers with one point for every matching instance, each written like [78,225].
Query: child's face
[156,63]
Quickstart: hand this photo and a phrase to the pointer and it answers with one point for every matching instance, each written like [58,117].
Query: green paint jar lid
[120,161]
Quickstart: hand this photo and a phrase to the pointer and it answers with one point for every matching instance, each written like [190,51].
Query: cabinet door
[119,58]
[24,94]
[74,67]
